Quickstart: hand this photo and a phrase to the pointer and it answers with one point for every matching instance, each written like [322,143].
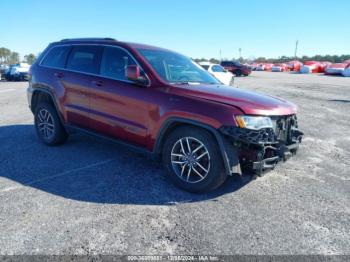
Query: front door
[119,107]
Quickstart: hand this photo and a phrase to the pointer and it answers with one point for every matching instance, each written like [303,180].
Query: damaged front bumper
[261,150]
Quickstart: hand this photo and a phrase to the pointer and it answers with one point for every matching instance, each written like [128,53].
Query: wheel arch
[228,152]
[42,94]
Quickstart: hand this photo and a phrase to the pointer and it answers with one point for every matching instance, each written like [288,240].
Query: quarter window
[56,57]
[85,59]
[114,62]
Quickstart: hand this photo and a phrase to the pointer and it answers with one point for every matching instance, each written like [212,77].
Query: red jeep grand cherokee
[163,103]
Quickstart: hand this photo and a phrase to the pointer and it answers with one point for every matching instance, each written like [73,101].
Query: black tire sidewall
[216,175]
[238,72]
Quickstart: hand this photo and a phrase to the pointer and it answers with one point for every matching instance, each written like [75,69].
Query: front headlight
[254,122]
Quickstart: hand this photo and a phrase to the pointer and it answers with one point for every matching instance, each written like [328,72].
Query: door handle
[97,83]
[59,74]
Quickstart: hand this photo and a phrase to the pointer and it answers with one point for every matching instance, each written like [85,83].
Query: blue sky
[197,28]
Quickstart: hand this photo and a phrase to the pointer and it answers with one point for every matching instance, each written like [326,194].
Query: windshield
[176,68]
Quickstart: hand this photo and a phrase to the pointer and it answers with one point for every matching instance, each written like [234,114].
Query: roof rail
[89,39]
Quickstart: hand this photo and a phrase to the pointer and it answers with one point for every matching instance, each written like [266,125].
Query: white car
[220,73]
[346,72]
[17,72]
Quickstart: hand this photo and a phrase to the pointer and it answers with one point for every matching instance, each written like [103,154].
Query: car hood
[249,102]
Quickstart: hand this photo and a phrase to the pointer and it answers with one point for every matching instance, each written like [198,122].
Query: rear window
[85,59]
[56,57]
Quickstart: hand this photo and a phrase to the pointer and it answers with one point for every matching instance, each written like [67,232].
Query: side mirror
[133,73]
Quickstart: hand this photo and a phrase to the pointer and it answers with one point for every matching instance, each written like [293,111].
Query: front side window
[85,59]
[114,62]
[56,57]
[175,68]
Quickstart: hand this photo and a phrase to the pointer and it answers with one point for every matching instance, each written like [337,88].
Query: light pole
[296,48]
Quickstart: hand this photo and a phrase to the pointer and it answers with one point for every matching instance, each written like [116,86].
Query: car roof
[107,40]
[205,63]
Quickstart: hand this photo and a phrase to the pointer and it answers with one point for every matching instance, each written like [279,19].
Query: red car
[236,68]
[294,65]
[310,67]
[162,103]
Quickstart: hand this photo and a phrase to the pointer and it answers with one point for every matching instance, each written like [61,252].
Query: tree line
[10,57]
[283,59]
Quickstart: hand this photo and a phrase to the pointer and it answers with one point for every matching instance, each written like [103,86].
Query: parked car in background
[220,73]
[268,66]
[254,66]
[3,70]
[17,72]
[346,71]
[323,66]
[260,67]
[137,94]
[279,67]
[310,67]
[294,65]
[336,68]
[236,68]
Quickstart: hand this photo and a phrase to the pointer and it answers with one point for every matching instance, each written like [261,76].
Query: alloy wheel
[190,159]
[46,124]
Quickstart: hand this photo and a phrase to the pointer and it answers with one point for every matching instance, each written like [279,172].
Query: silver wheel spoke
[194,151]
[202,167]
[195,170]
[178,155]
[199,157]
[182,170]
[189,173]
[40,118]
[188,146]
[178,162]
[182,147]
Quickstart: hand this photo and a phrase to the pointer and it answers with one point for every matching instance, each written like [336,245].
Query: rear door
[81,68]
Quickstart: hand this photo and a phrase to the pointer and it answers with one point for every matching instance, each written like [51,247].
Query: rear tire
[196,166]
[48,125]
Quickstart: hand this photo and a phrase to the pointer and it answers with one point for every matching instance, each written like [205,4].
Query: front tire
[48,125]
[193,160]
[238,73]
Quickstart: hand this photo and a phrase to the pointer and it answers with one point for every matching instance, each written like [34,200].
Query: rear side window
[85,59]
[227,63]
[56,57]
[114,62]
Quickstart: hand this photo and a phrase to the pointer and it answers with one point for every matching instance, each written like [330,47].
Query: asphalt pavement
[89,196]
